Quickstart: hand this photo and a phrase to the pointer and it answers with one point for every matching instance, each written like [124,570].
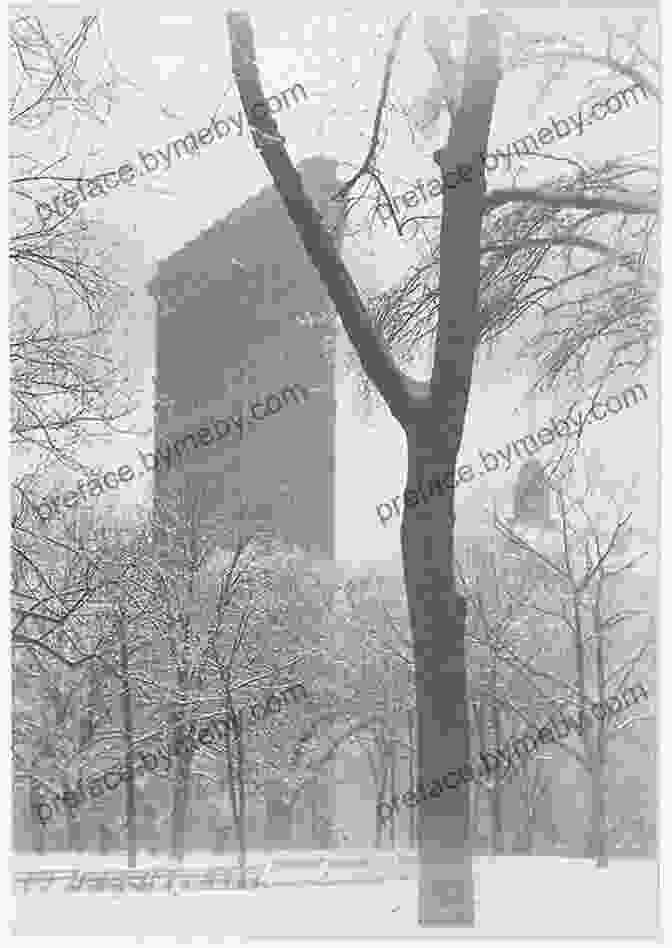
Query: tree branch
[317,241]
[459,326]
[384,92]
[622,69]
[573,200]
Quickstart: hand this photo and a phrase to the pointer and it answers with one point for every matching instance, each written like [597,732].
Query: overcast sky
[178,61]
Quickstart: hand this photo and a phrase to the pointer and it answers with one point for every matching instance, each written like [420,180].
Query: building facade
[244,332]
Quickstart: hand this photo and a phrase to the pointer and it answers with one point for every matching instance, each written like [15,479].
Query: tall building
[243,328]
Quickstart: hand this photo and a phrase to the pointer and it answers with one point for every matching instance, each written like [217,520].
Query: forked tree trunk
[432,416]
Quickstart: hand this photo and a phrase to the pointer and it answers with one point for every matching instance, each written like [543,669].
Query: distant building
[532,497]
[243,319]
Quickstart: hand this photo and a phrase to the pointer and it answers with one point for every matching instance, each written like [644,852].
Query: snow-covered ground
[515,896]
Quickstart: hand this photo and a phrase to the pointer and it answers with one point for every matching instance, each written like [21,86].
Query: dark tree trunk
[438,616]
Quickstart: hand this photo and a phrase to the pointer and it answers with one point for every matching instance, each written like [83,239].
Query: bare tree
[590,568]
[65,384]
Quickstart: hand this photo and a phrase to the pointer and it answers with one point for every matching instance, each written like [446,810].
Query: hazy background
[178,68]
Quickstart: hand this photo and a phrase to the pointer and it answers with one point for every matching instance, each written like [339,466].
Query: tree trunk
[412,832]
[180,806]
[434,427]
[105,839]
[278,833]
[598,814]
[38,832]
[432,416]
[598,761]
[379,821]
[235,766]
[380,786]
[127,716]
[391,748]
[496,802]
[242,807]
[438,623]
[74,842]
[484,709]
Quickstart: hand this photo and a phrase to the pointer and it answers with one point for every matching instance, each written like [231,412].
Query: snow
[515,895]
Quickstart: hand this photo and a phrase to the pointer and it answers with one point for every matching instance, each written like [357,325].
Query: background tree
[66,387]
[382,671]
[65,383]
[591,568]
[545,602]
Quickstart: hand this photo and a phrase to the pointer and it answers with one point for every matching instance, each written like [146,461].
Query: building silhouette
[532,496]
[242,315]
